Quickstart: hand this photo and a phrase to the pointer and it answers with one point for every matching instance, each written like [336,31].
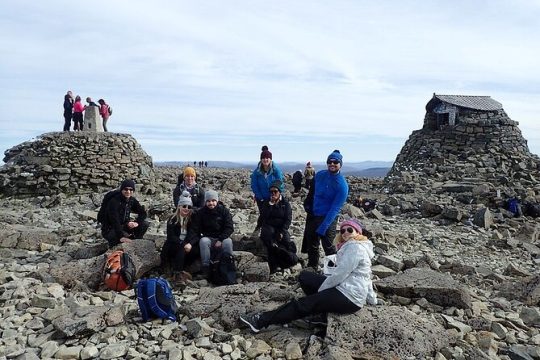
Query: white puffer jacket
[352,275]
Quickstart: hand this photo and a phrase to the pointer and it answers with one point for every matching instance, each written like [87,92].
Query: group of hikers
[202,227]
[73,110]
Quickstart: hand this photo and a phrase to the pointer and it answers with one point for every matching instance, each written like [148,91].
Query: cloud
[221,78]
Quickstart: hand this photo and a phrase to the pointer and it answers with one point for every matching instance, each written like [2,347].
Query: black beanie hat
[128,183]
[276,184]
[265,154]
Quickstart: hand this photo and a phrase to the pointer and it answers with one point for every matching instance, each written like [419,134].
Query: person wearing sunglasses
[176,251]
[263,176]
[118,227]
[274,221]
[327,194]
[345,291]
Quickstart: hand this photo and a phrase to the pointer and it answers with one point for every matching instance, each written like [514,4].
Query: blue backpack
[513,206]
[156,299]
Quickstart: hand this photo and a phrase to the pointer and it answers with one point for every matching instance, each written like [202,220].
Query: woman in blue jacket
[263,176]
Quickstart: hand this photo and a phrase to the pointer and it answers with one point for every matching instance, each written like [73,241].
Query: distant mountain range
[362,169]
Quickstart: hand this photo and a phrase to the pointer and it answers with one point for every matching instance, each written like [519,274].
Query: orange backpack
[119,271]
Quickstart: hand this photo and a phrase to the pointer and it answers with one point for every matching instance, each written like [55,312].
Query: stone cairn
[464,138]
[73,163]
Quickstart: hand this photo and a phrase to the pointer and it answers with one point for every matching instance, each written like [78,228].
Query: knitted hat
[265,154]
[211,195]
[185,199]
[335,155]
[355,224]
[128,183]
[276,184]
[189,171]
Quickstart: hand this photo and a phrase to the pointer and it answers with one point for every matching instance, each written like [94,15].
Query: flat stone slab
[386,332]
[438,288]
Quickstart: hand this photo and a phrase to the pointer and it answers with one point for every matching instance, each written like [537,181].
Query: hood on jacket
[366,244]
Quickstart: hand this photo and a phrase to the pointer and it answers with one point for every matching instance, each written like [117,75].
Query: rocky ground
[458,280]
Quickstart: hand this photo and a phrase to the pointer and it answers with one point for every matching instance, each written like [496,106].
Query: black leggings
[67,120]
[329,300]
[174,256]
[312,240]
[78,121]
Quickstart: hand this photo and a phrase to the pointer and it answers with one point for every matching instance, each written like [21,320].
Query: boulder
[438,288]
[386,332]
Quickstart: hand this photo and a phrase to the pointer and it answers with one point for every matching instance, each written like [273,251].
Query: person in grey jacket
[345,291]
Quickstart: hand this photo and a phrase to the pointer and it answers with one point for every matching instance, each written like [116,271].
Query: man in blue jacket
[327,194]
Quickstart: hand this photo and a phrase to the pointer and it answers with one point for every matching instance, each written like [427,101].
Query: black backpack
[102,213]
[109,110]
[285,254]
[222,269]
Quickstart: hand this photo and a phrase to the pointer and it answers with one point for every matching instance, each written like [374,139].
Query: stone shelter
[443,110]
[464,137]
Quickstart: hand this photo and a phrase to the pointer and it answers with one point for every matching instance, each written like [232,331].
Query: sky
[216,80]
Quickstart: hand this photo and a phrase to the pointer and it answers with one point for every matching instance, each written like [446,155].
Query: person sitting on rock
[274,221]
[345,291]
[176,250]
[186,182]
[211,229]
[118,226]
[297,182]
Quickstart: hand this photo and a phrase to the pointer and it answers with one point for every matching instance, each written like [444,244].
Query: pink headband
[355,225]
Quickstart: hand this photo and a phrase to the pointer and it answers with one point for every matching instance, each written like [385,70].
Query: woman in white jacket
[345,291]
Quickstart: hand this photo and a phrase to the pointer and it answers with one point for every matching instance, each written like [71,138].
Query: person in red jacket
[104,112]
[78,109]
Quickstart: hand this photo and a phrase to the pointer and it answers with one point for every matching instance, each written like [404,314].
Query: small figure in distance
[90,103]
[176,250]
[78,118]
[104,112]
[345,291]
[118,226]
[211,229]
[263,176]
[297,182]
[68,110]
[309,174]
[274,221]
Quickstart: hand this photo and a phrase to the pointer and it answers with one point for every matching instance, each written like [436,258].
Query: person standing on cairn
[68,110]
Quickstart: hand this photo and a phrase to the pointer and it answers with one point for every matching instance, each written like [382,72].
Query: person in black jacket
[68,110]
[211,229]
[186,182]
[274,221]
[297,181]
[118,226]
[176,251]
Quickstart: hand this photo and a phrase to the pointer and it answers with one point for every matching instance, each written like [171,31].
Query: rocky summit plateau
[457,272]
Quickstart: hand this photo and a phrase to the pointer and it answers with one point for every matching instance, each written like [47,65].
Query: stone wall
[73,163]
[485,145]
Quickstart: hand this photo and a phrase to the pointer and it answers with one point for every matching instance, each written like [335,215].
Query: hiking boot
[252,321]
[205,273]
[185,276]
